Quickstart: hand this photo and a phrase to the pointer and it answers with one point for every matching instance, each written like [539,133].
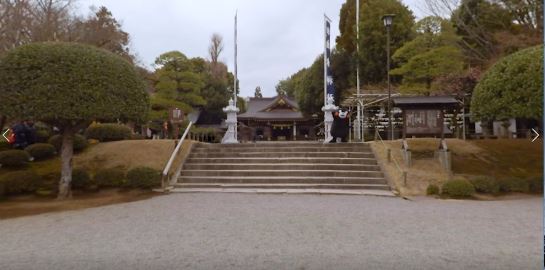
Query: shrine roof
[429,101]
[279,108]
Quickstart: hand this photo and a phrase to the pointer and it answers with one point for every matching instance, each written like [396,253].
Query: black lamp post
[387,19]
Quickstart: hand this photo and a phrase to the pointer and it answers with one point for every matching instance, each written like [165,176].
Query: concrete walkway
[245,231]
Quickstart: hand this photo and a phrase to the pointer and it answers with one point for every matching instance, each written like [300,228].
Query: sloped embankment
[502,158]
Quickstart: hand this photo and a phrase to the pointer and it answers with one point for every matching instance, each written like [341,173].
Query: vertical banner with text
[328,77]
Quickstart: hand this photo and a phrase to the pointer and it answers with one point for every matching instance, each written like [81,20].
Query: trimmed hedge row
[14,158]
[143,177]
[5,146]
[139,177]
[110,178]
[458,188]
[19,182]
[108,132]
[41,151]
[80,142]
[461,188]
[485,184]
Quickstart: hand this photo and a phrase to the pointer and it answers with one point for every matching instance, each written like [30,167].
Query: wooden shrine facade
[274,119]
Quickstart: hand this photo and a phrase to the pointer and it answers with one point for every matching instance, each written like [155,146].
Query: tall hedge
[69,85]
[513,87]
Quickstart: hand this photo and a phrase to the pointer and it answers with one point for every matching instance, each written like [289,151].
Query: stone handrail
[164,178]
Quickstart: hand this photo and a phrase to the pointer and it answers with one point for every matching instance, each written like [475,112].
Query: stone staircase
[283,167]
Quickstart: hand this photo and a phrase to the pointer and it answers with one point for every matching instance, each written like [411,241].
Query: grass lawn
[121,154]
[501,158]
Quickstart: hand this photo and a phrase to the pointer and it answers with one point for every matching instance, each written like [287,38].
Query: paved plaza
[245,231]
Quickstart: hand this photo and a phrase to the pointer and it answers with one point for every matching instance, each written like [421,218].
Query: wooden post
[389,153]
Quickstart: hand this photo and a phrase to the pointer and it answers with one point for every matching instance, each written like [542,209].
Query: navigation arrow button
[4,134]
[536,135]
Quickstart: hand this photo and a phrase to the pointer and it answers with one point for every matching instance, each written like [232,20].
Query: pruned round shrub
[143,177]
[14,158]
[41,150]
[432,189]
[110,177]
[80,179]
[18,182]
[42,135]
[513,184]
[535,184]
[511,88]
[80,142]
[485,184]
[458,188]
[108,132]
[5,146]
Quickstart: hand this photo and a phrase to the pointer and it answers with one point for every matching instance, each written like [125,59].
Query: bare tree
[15,24]
[488,36]
[51,19]
[215,48]
[26,21]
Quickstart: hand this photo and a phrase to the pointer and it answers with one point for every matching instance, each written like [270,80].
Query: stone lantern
[231,134]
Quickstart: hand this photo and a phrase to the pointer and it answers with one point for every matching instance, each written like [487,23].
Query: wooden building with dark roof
[275,119]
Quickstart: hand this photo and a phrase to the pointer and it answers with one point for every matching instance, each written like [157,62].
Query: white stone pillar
[231,134]
[328,109]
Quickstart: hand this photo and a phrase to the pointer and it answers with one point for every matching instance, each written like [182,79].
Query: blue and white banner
[328,75]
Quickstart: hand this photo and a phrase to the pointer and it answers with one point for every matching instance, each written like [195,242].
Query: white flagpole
[360,133]
[236,73]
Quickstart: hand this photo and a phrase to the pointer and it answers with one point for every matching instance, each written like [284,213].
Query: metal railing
[391,158]
[165,179]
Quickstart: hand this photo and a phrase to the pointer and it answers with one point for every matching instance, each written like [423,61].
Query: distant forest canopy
[176,81]
[434,55]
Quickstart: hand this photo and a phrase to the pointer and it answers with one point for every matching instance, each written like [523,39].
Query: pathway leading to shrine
[248,231]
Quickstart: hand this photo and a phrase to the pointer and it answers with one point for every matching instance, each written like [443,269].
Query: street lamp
[387,19]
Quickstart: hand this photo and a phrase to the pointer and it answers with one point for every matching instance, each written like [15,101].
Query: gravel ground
[244,231]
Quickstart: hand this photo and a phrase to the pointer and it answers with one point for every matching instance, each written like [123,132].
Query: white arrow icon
[537,134]
[4,135]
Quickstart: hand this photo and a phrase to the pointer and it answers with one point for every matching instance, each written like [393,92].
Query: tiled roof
[419,100]
[256,109]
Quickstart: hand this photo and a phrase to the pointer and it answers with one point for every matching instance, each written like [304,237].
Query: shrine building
[275,119]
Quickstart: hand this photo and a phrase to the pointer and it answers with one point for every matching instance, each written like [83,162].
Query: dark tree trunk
[67,153]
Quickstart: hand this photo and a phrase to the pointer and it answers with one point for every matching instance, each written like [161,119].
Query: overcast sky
[275,38]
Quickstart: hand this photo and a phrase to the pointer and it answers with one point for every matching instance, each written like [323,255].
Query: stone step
[283,144]
[293,172]
[282,154]
[283,186]
[284,160]
[284,166]
[316,191]
[281,180]
[280,149]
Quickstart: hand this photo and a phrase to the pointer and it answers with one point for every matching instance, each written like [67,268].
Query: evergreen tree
[431,55]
